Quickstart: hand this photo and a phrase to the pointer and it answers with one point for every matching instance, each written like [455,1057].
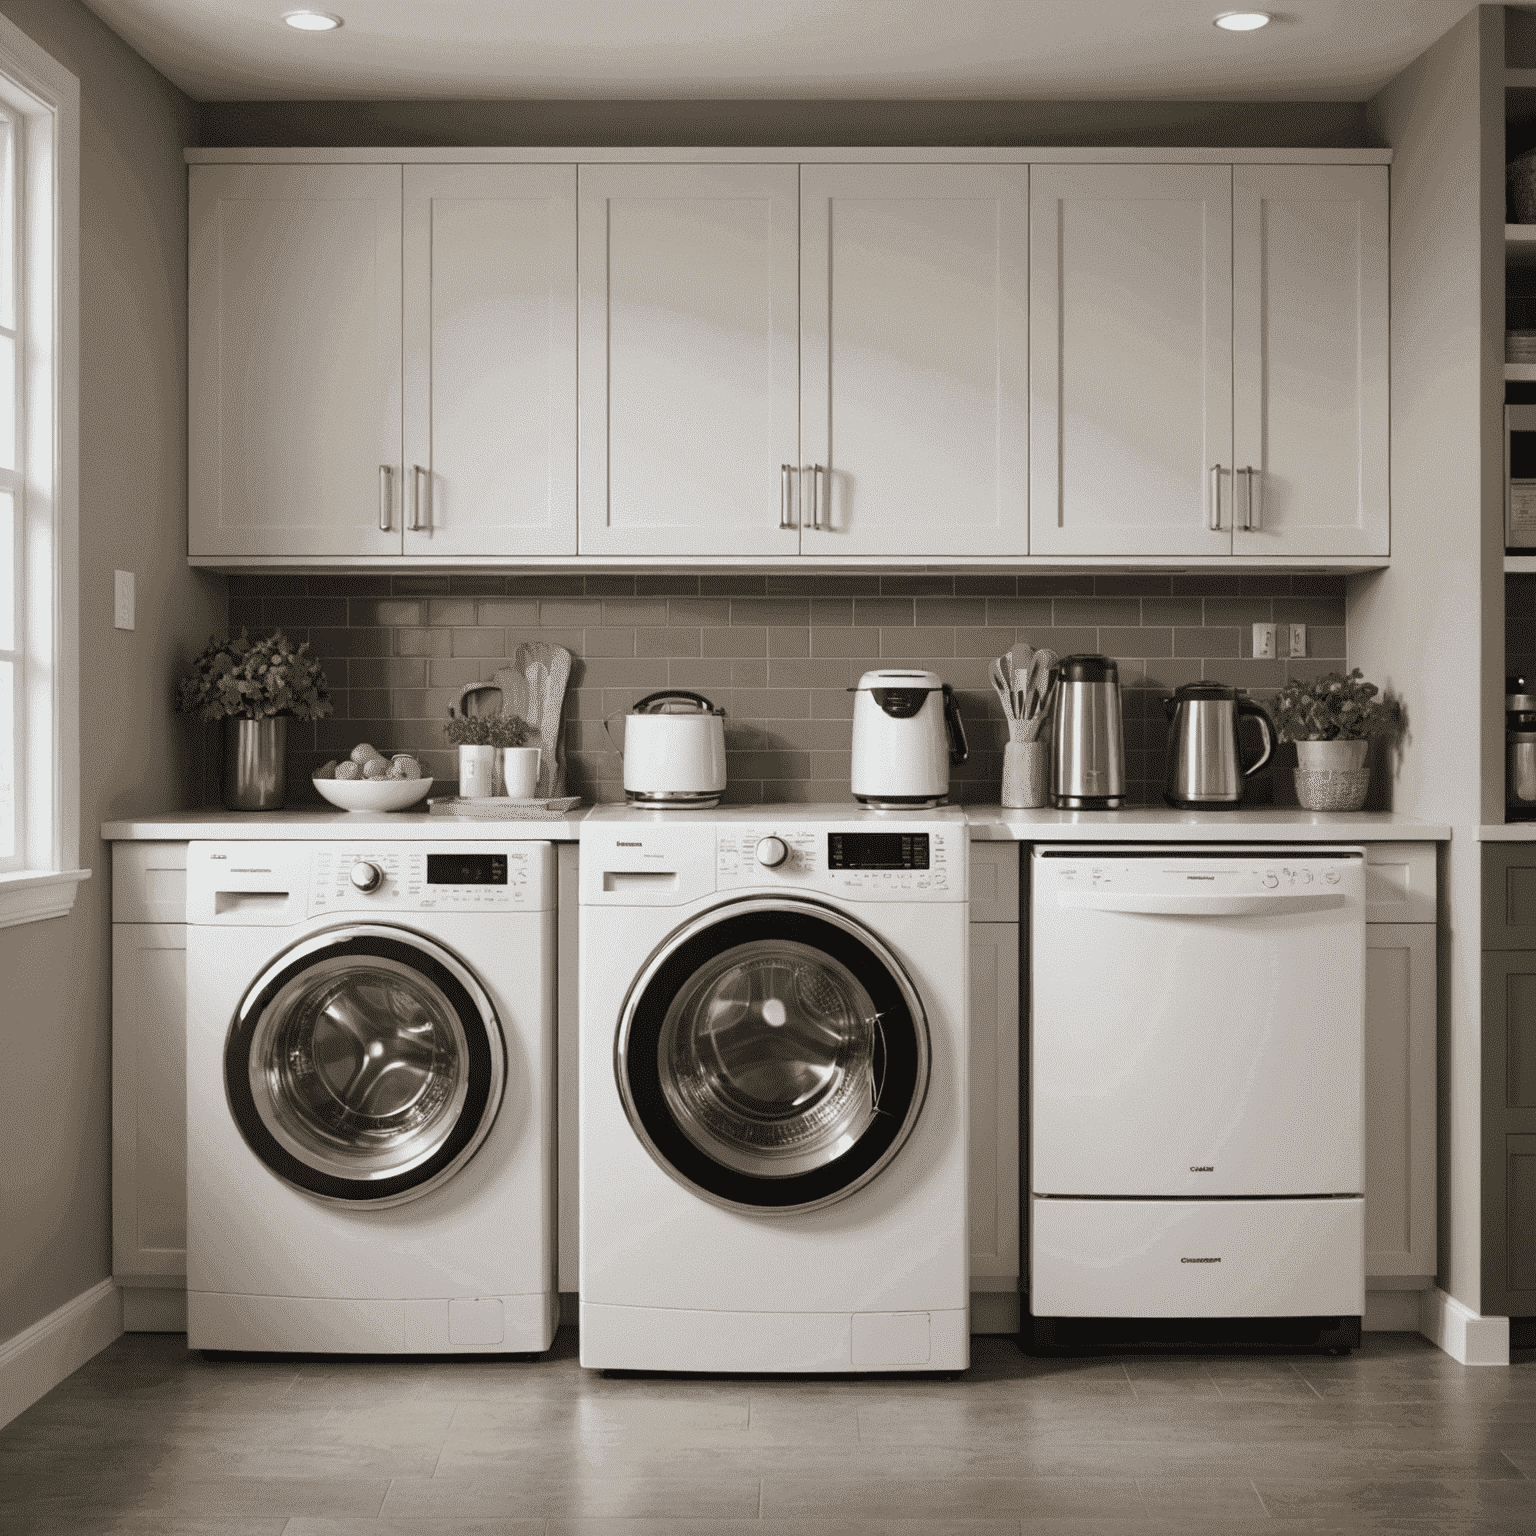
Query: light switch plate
[122,599]
[1298,639]
[1264,642]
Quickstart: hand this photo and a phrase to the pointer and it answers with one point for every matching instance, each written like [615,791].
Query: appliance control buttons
[1271,881]
[771,852]
[367,877]
[1331,876]
[1306,877]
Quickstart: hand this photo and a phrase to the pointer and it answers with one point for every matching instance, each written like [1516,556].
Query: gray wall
[135,755]
[1426,628]
[369,124]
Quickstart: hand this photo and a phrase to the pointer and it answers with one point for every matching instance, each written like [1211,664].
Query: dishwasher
[1196,1092]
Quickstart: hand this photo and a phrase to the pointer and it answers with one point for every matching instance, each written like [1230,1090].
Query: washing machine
[370,1096]
[772,1130]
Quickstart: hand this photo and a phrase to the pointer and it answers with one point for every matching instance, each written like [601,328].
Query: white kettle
[906,734]
[673,752]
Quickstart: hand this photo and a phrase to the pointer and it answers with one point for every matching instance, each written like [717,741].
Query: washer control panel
[903,864]
[361,877]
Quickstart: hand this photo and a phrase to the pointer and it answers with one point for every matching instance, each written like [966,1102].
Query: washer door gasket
[772,1055]
[365,1065]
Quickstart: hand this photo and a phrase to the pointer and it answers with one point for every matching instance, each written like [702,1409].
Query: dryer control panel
[434,878]
[852,861]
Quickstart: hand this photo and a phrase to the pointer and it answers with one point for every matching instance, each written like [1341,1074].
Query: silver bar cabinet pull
[814,471]
[1248,505]
[785,496]
[386,497]
[417,473]
[1215,498]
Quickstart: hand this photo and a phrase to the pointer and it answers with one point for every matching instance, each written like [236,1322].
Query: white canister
[520,771]
[477,772]
[674,751]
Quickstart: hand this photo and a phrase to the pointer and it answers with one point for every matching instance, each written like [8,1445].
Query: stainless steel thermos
[1519,750]
[1088,742]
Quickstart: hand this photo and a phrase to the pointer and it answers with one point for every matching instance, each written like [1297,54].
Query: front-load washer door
[772,1056]
[365,1065]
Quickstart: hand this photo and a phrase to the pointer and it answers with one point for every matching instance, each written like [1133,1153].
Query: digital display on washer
[877,850]
[466,869]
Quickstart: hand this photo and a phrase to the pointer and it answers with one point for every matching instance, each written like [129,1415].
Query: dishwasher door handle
[1199,906]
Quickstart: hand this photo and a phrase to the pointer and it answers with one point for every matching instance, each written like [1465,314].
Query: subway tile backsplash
[778,652]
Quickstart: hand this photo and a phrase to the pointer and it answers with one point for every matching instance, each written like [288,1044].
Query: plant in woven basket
[245,679]
[1337,706]
[487,731]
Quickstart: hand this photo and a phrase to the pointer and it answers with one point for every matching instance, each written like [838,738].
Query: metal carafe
[1519,750]
[1088,742]
[1206,771]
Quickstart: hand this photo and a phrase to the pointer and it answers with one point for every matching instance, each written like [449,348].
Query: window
[39,662]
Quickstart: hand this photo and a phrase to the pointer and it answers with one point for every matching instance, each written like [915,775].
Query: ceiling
[239,50]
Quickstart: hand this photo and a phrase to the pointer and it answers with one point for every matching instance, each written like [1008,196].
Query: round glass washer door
[773,1056]
[365,1065]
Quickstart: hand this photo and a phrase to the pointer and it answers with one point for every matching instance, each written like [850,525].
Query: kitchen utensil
[673,752]
[1039,681]
[1088,757]
[1002,674]
[907,733]
[1206,770]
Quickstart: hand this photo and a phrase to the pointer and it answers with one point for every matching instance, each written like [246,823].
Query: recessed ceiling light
[312,21]
[1243,21]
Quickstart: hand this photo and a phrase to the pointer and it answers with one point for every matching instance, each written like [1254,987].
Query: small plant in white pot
[481,739]
[1332,720]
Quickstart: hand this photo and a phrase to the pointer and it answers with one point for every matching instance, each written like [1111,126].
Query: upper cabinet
[382,360]
[1208,360]
[689,378]
[1309,362]
[914,327]
[741,361]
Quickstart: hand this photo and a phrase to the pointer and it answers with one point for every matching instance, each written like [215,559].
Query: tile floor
[151,1440]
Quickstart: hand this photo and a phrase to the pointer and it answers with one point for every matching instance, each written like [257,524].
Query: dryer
[773,1045]
[370,1096]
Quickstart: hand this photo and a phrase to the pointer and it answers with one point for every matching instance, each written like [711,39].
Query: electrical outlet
[122,599]
[1298,639]
[1264,642]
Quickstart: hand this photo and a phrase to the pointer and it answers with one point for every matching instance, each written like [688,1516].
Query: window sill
[29,897]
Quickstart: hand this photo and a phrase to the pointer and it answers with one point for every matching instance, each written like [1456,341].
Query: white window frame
[43,100]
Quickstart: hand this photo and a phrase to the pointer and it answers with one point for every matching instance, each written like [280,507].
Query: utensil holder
[1026,775]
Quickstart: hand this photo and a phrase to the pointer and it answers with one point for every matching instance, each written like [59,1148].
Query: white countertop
[1140,824]
[1508,832]
[988,823]
[322,826]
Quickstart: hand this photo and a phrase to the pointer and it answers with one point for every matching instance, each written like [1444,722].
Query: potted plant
[1332,720]
[480,740]
[255,687]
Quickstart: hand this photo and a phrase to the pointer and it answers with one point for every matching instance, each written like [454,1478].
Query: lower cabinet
[1509,1127]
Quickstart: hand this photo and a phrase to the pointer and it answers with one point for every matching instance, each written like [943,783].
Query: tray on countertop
[502,807]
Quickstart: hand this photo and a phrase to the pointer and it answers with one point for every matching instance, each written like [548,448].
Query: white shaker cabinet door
[1130,360]
[490,360]
[1400,1236]
[914,324]
[1310,359]
[149,1099]
[689,321]
[994,1120]
[294,337]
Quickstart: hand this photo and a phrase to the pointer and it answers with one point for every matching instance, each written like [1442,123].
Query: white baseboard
[1463,1334]
[34,1361]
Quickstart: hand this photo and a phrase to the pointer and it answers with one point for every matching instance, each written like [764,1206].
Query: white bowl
[373,794]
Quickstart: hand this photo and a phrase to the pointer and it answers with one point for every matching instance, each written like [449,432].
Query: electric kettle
[906,733]
[673,752]
[1206,771]
[1087,739]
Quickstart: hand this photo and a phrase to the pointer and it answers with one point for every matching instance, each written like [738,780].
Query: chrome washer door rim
[298,1125]
[901,1063]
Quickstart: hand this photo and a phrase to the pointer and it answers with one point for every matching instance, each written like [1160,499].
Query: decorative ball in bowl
[369,780]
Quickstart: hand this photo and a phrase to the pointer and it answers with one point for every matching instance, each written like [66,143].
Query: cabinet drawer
[1400,883]
[149,882]
[994,882]
[1509,896]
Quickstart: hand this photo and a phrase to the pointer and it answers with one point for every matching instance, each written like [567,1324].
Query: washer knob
[367,877]
[771,852]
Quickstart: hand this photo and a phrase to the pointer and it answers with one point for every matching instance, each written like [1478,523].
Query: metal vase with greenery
[255,687]
[1332,721]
